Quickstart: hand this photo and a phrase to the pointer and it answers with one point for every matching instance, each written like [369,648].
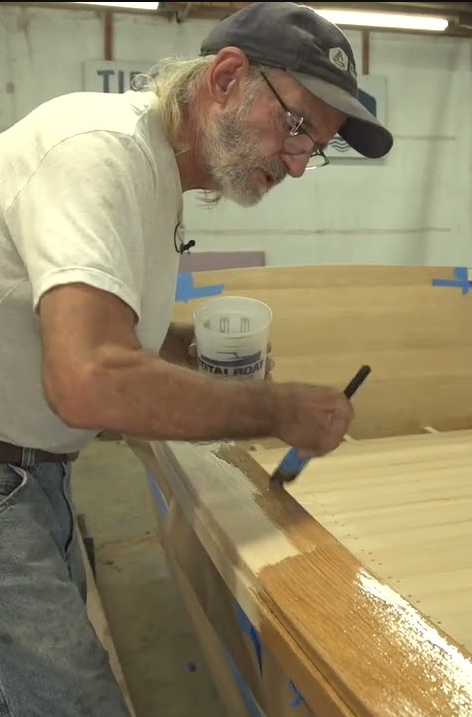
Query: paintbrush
[292,465]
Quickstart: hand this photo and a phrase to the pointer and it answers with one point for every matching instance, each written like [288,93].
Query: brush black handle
[291,465]
[357,381]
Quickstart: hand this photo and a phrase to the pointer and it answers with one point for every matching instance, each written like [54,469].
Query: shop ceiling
[459,14]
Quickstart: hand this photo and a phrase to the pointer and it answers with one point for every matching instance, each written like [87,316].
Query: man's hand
[177,345]
[270,363]
[313,419]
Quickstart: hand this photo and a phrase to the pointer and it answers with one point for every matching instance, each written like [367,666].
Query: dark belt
[15,455]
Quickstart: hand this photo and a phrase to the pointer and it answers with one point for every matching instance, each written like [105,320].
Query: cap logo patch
[339,58]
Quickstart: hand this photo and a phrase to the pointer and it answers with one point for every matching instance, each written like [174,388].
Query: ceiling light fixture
[387,20]
[127,5]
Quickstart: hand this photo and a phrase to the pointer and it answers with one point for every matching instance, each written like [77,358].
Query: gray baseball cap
[295,38]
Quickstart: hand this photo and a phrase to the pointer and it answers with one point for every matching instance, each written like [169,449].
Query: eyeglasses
[299,141]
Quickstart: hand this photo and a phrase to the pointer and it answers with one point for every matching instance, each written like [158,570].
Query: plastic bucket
[232,334]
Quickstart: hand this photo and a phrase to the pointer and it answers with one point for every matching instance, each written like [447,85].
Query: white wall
[413,207]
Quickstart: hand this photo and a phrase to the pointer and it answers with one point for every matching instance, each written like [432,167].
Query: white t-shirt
[89,192]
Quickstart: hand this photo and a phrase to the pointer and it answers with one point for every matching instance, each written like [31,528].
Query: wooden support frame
[99,621]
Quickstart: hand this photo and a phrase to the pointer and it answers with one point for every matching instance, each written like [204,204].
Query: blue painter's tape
[186,291]
[298,699]
[252,706]
[161,501]
[461,280]
[248,628]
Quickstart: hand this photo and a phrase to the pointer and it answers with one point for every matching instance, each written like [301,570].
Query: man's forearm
[138,394]
[176,343]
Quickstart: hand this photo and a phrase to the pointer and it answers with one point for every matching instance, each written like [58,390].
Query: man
[90,204]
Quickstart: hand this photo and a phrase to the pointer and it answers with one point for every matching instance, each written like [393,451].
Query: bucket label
[234,365]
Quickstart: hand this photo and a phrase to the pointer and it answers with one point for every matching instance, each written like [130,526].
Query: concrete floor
[152,634]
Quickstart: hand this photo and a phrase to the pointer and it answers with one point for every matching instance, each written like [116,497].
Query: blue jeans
[51,662]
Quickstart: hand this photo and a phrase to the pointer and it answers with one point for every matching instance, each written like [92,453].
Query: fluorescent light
[385,19]
[127,5]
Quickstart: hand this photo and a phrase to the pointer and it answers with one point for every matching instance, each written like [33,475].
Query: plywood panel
[329,320]
[213,260]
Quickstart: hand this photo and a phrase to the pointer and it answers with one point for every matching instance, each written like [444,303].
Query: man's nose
[296,164]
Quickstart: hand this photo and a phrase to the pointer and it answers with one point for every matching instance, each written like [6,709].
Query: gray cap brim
[361,130]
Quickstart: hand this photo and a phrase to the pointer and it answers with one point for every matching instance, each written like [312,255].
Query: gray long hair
[176,81]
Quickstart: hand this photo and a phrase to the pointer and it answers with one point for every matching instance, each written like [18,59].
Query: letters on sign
[112,76]
[116,81]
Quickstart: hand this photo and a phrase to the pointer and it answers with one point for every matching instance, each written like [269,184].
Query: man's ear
[226,74]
